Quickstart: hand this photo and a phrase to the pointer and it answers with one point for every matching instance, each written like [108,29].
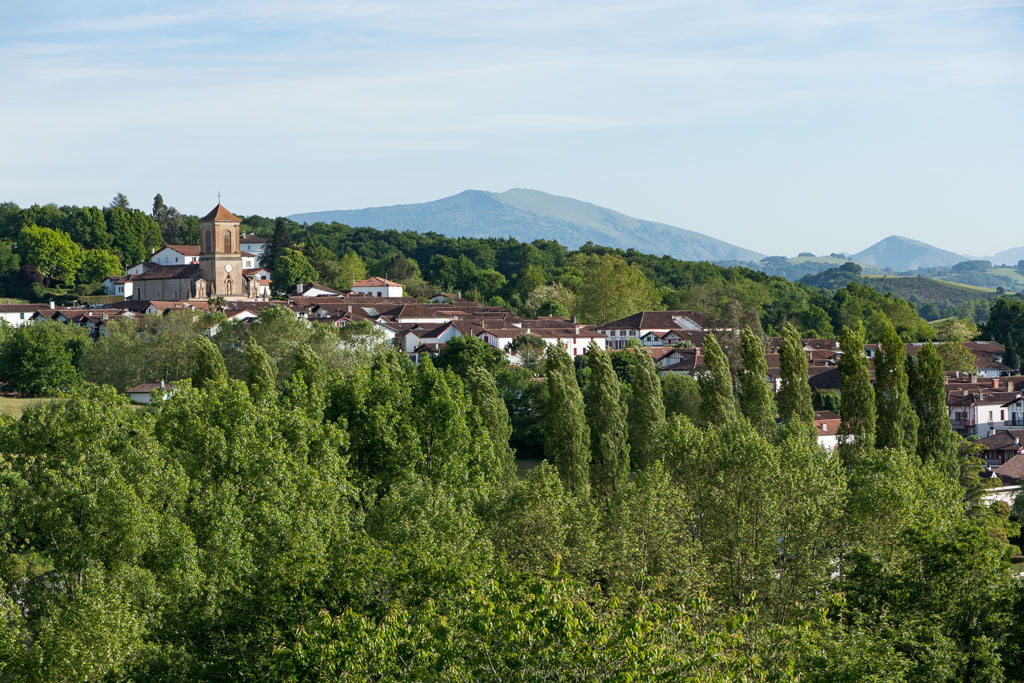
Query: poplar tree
[566,435]
[483,392]
[755,395]
[857,401]
[646,411]
[896,426]
[927,389]
[795,390]
[606,418]
[262,374]
[716,402]
[307,387]
[209,364]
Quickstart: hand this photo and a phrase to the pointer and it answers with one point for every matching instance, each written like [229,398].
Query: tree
[606,418]
[350,269]
[398,267]
[52,252]
[926,386]
[716,400]
[173,227]
[646,412]
[462,353]
[566,434]
[262,375]
[896,425]
[857,407]
[494,417]
[755,395]
[795,391]
[209,364]
[529,348]
[291,269]
[42,359]
[120,201]
[97,264]
[133,233]
[681,396]
[279,241]
[613,289]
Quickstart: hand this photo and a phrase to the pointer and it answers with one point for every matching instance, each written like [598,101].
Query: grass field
[906,279]
[16,406]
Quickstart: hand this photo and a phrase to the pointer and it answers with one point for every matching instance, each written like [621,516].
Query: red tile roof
[375,282]
[184,249]
[219,213]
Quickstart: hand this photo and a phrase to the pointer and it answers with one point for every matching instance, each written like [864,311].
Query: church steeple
[220,257]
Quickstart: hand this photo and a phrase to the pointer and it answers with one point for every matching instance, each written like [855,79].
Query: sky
[778,126]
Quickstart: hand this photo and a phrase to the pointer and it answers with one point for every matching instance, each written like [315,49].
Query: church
[218,272]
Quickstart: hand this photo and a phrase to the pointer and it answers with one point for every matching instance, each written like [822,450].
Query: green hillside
[928,290]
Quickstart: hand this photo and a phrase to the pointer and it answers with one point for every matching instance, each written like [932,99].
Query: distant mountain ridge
[527,215]
[903,253]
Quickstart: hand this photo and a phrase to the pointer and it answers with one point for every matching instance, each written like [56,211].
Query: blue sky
[779,126]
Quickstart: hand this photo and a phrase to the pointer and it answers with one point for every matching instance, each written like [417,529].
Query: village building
[379,287]
[214,268]
[618,332]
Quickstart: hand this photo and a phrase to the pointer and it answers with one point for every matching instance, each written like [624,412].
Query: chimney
[573,319]
[1011,386]
[973,378]
[162,384]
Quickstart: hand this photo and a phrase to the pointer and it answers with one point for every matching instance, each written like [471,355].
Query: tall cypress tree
[280,240]
[755,395]
[795,390]
[209,364]
[494,415]
[566,435]
[262,374]
[857,401]
[716,402]
[606,417]
[927,388]
[896,426]
[646,412]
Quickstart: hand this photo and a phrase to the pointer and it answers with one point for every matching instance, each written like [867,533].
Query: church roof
[189,270]
[219,213]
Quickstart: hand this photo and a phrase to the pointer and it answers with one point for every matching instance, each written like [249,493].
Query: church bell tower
[220,257]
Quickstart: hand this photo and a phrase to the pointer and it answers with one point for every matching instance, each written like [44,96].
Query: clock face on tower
[227,268]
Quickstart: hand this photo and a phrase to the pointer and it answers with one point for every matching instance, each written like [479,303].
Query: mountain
[527,215]
[1008,256]
[902,253]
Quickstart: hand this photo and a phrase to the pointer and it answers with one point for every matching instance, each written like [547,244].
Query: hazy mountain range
[527,215]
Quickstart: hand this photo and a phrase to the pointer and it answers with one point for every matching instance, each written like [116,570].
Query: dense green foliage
[345,514]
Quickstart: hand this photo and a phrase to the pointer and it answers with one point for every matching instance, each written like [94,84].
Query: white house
[314,289]
[573,339]
[176,255]
[253,245]
[379,287]
[143,393]
[20,314]
[118,285]
[639,325]
[827,424]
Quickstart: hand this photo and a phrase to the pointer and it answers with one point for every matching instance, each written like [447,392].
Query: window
[227,241]
[209,241]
